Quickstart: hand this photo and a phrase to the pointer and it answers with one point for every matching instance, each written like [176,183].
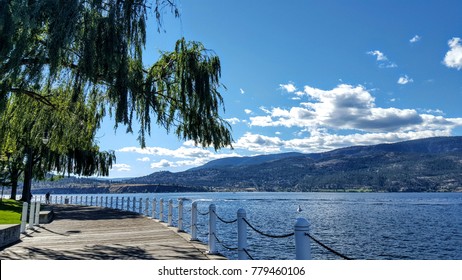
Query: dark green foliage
[65,64]
[38,139]
[94,48]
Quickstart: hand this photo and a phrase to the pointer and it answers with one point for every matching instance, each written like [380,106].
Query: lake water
[377,226]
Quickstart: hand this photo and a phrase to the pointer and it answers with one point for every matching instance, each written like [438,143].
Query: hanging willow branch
[94,48]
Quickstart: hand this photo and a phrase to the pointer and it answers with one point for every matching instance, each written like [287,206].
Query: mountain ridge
[432,164]
[422,165]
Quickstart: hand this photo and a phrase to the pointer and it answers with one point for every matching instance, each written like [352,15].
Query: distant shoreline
[149,188]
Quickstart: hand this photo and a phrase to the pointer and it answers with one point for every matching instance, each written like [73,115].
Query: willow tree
[94,48]
[90,52]
[38,138]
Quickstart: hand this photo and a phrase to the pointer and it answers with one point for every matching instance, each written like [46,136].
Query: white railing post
[37,213]
[170,213]
[146,207]
[302,242]
[241,235]
[96,200]
[134,205]
[153,213]
[212,230]
[180,215]
[117,202]
[61,200]
[25,207]
[194,221]
[161,210]
[140,206]
[31,215]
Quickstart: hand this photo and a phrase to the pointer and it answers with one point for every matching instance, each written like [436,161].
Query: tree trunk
[27,188]
[14,182]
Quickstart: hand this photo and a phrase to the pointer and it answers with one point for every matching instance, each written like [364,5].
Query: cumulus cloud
[181,152]
[322,142]
[143,159]
[121,167]
[415,39]
[233,120]
[259,143]
[161,164]
[319,140]
[248,111]
[453,58]
[379,55]
[405,80]
[288,87]
[348,107]
[187,155]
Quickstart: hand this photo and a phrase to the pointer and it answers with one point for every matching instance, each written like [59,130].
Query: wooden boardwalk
[93,233]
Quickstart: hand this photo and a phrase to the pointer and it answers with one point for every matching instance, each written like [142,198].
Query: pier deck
[93,233]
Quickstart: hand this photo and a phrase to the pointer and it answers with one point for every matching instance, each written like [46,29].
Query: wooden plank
[86,232]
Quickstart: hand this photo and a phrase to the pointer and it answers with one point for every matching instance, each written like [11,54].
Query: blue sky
[312,76]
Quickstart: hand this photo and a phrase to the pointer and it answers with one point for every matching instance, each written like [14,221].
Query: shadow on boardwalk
[93,233]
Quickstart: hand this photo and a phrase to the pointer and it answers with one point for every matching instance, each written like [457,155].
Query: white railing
[300,230]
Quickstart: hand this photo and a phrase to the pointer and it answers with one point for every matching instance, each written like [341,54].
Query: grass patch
[10,211]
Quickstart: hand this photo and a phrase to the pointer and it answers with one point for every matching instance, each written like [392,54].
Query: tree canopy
[94,49]
[64,65]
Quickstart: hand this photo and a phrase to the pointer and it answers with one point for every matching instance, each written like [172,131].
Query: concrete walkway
[93,233]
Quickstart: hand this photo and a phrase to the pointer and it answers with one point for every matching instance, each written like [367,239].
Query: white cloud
[405,80]
[348,107]
[378,54]
[453,58]
[262,121]
[288,87]
[144,159]
[263,108]
[319,140]
[233,120]
[388,65]
[242,91]
[181,152]
[121,167]
[322,142]
[161,164]
[187,155]
[434,111]
[248,111]
[259,143]
[415,39]
[383,60]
